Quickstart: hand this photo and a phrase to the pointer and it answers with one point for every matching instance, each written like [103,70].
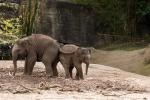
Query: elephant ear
[24,42]
[68,48]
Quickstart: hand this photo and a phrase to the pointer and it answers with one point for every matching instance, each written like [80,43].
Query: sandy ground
[101,83]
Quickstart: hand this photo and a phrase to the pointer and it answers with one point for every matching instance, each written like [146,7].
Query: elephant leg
[70,70]
[48,67]
[65,61]
[30,68]
[79,71]
[49,71]
[25,68]
[30,62]
[77,75]
[66,67]
[49,58]
[54,68]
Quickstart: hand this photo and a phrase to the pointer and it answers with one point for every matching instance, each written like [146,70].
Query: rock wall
[66,22]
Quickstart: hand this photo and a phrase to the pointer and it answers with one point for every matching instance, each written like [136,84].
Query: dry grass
[147,56]
[137,61]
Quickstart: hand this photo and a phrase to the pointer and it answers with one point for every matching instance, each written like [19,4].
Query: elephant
[73,56]
[36,47]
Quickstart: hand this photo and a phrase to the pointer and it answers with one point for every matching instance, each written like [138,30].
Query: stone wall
[67,22]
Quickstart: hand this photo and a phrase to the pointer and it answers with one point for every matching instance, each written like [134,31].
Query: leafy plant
[9,29]
[117,16]
[29,13]
[110,16]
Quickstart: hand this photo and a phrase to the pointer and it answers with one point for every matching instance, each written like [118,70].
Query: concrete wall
[67,22]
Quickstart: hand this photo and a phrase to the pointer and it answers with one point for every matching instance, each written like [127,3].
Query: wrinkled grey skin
[36,47]
[73,56]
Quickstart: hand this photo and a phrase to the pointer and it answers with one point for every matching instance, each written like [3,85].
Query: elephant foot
[55,75]
[82,78]
[79,78]
[49,76]
[25,74]
[68,79]
[76,77]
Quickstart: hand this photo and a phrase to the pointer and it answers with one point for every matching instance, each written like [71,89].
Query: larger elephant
[36,47]
[73,56]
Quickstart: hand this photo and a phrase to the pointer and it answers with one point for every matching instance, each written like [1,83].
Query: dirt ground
[102,82]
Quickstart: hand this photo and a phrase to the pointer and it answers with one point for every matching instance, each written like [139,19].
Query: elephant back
[68,48]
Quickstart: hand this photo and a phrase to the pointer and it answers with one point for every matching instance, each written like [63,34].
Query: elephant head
[84,55]
[19,50]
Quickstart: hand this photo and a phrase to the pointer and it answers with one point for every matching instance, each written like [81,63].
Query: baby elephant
[73,56]
[36,47]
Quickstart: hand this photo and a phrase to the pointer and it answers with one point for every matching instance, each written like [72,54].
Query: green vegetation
[18,26]
[110,15]
[10,30]
[10,26]
[118,17]
[29,13]
[9,5]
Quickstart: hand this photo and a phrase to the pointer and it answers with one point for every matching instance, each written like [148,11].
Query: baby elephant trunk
[87,62]
[15,66]
[14,57]
[87,66]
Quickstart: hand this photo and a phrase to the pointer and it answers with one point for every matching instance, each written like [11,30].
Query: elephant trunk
[14,57]
[87,66]
[15,67]
[87,62]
